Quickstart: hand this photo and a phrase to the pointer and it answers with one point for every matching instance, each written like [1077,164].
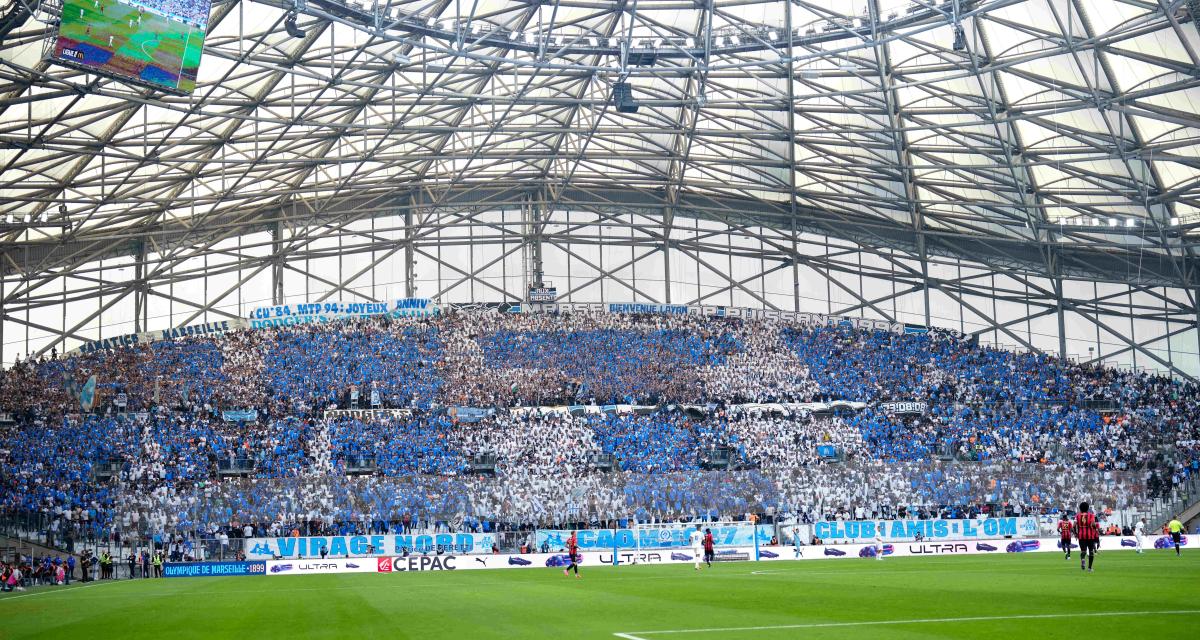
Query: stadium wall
[400,564]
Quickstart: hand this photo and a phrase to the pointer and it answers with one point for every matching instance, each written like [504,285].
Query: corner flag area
[1156,595]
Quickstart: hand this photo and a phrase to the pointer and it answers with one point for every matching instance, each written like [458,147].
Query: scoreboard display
[156,43]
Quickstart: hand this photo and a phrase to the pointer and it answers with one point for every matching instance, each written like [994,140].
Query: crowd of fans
[976,429]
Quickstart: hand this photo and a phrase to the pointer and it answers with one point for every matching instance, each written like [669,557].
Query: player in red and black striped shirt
[572,555]
[1064,535]
[1088,533]
[709,553]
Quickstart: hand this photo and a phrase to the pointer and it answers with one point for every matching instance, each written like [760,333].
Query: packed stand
[1027,432]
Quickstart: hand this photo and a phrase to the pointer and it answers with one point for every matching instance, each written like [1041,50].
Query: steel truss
[901,174]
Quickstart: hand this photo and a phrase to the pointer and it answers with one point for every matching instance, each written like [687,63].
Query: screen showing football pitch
[151,42]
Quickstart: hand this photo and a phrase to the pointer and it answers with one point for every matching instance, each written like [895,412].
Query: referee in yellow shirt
[1176,529]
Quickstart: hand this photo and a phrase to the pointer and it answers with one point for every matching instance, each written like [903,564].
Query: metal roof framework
[1045,141]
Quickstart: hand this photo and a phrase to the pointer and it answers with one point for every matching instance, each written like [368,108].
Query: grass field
[1013,596]
[156,50]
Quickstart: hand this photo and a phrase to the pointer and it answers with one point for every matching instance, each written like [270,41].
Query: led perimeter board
[156,43]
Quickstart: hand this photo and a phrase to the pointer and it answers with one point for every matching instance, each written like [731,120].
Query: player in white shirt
[1139,533]
[696,540]
[878,547]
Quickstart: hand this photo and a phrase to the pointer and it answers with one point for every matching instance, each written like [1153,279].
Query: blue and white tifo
[656,538]
[368,546]
[932,530]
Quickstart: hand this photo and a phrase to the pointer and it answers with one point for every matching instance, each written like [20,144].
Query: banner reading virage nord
[930,530]
[368,546]
[317,312]
[666,538]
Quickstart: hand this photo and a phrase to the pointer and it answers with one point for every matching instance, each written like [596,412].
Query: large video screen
[152,42]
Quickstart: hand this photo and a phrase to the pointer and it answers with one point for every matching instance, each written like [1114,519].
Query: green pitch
[172,48]
[1014,596]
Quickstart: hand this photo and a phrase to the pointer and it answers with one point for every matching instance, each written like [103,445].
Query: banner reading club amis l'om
[932,530]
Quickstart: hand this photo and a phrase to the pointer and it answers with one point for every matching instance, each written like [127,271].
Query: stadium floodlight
[690,42]
[514,35]
[1096,222]
[774,36]
[612,42]
[289,24]
[1112,222]
[1132,222]
[1174,222]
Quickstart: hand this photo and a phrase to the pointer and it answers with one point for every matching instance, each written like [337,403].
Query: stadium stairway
[10,545]
[1186,506]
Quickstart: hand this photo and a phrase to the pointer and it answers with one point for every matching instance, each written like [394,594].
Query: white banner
[329,565]
[903,407]
[219,328]
[970,547]
[589,559]
[367,414]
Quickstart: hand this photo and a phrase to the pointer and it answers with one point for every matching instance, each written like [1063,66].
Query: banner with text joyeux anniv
[931,530]
[664,538]
[363,546]
[329,311]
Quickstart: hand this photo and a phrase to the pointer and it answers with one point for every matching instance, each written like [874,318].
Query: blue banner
[213,569]
[369,546]
[240,415]
[931,530]
[657,538]
[87,395]
[328,311]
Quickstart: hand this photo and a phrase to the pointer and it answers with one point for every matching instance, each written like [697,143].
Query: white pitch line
[47,590]
[637,635]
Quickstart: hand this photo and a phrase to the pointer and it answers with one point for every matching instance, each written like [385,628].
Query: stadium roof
[1056,135]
